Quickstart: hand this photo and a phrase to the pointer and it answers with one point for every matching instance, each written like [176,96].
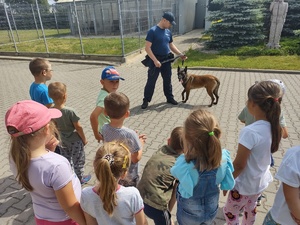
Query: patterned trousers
[74,152]
[237,203]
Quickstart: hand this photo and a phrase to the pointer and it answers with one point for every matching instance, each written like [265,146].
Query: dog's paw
[183,101]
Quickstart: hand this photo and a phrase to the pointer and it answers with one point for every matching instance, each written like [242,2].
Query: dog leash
[170,60]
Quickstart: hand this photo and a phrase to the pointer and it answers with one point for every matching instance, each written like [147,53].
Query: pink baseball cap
[28,116]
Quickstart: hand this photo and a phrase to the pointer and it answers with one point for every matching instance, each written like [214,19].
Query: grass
[27,35]
[249,57]
[101,46]
[197,58]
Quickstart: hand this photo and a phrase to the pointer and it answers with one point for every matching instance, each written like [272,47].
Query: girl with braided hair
[202,168]
[256,143]
[109,203]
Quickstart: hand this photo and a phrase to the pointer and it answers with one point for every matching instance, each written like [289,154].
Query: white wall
[186,18]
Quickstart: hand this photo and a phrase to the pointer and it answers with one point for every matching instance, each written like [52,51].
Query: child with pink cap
[54,188]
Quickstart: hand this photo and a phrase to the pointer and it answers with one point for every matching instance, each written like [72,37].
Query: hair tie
[109,158]
[211,133]
[276,99]
[124,146]
[124,166]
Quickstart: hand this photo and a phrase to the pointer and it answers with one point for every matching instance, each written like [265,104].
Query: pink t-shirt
[47,174]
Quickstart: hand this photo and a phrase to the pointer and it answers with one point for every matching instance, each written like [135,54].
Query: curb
[296,72]
[71,61]
[130,57]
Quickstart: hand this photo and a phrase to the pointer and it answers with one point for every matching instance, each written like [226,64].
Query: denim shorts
[269,220]
[193,212]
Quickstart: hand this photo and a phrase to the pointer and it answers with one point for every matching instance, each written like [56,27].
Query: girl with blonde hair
[203,166]
[109,203]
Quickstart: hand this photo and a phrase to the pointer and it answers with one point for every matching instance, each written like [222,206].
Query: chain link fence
[80,28]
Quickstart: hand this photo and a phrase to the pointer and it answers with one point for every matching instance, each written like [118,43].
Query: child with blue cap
[110,83]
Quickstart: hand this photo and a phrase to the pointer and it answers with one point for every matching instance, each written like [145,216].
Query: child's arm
[291,195]
[136,156]
[240,160]
[69,203]
[49,105]
[89,219]
[140,218]
[94,122]
[285,133]
[173,196]
[80,132]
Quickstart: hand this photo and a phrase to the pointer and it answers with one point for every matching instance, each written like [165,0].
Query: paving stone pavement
[156,121]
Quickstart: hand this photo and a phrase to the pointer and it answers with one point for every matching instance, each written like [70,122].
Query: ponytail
[201,140]
[111,162]
[273,116]
[107,185]
[21,155]
[268,96]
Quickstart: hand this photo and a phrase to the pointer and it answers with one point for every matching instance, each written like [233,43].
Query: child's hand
[98,137]
[52,143]
[142,138]
[85,142]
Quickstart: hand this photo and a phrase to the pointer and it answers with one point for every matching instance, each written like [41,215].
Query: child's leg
[78,157]
[250,209]
[269,220]
[66,151]
[234,204]
[160,217]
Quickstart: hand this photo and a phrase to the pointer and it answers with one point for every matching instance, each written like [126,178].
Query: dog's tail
[217,87]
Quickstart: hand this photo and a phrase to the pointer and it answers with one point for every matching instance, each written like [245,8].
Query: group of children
[191,169]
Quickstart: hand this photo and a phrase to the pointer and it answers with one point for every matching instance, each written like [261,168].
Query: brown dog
[190,81]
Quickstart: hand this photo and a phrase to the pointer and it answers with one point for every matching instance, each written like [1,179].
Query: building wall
[186,12]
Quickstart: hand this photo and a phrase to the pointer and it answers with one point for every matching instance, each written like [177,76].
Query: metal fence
[81,26]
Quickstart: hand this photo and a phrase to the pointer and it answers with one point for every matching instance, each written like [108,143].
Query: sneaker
[85,179]
[145,104]
[172,101]
[258,203]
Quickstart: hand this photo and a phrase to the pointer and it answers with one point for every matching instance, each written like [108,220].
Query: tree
[237,23]
[292,21]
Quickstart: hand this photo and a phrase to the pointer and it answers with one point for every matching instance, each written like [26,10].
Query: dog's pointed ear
[185,69]
[178,69]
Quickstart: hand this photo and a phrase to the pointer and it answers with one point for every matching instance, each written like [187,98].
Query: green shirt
[65,125]
[156,184]
[102,119]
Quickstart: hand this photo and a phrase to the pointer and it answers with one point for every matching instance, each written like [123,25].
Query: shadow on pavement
[159,107]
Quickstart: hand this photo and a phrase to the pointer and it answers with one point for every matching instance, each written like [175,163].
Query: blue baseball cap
[110,73]
[170,17]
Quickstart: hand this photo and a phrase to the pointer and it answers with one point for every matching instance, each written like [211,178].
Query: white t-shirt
[288,173]
[256,176]
[129,203]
